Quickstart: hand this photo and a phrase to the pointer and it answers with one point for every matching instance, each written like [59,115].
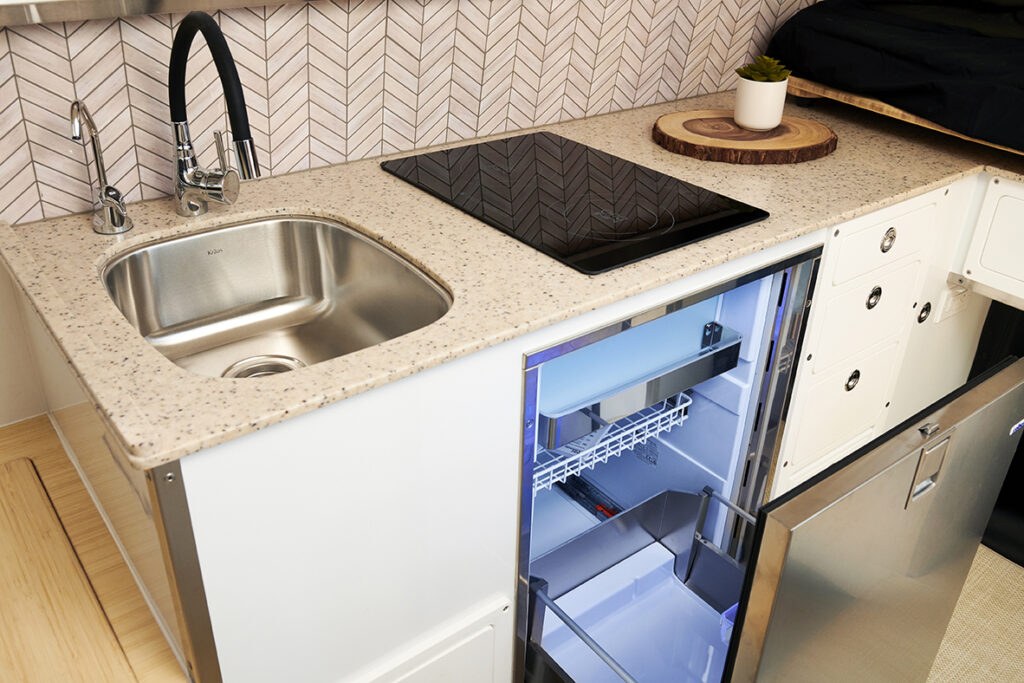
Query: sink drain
[261,366]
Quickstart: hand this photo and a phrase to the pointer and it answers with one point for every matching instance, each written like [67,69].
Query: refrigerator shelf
[677,352]
[557,465]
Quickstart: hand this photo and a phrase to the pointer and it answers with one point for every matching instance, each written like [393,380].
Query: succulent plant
[764,68]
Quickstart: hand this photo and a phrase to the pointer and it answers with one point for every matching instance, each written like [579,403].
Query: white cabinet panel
[1005,243]
[862,250]
[865,313]
[471,660]
[923,361]
[334,544]
[21,394]
[994,257]
[835,417]
[466,650]
[940,350]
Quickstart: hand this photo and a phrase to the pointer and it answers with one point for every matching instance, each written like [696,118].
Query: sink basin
[268,296]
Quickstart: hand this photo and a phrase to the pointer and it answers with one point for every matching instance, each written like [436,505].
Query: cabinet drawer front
[841,411]
[865,313]
[873,247]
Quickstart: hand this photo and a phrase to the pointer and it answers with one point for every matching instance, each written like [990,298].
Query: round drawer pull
[926,310]
[851,382]
[888,240]
[873,298]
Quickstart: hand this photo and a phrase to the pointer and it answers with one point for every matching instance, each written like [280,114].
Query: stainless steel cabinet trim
[766,572]
[522,602]
[777,391]
[174,526]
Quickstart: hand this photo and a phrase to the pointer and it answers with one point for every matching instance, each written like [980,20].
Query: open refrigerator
[648,451]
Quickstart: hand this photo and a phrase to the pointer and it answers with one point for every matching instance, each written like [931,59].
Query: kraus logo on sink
[214,252]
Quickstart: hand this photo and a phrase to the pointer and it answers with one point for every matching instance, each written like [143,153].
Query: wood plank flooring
[114,630]
[51,626]
[142,644]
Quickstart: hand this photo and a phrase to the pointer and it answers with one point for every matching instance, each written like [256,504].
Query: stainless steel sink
[269,296]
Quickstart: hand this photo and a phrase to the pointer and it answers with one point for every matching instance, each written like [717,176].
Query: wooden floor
[70,609]
[98,618]
[41,570]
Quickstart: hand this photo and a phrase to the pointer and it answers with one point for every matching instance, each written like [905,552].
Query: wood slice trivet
[712,135]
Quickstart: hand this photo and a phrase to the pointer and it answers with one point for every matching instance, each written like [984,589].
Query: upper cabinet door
[858,570]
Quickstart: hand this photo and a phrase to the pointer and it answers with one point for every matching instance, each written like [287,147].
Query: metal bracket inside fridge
[719,352]
[710,571]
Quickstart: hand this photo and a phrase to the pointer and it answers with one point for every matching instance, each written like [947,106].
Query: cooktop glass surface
[588,209]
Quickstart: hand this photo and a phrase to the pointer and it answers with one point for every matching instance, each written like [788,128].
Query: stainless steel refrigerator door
[858,571]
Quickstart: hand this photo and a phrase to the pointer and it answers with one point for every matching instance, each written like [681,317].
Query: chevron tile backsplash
[334,80]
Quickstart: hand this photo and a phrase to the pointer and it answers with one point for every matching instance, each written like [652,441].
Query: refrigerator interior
[639,610]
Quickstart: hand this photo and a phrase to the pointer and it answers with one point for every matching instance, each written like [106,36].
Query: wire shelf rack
[557,465]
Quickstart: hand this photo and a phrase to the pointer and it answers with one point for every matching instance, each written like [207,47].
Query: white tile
[331,80]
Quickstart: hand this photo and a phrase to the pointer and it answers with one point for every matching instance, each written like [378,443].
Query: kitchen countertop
[501,288]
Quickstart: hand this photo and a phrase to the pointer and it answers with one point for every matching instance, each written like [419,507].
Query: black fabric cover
[958,64]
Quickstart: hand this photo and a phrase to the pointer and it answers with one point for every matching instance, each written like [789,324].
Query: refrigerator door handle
[928,466]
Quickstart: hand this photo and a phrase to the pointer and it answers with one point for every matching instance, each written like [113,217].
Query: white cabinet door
[468,649]
[890,237]
[334,545]
[842,410]
[993,261]
[865,313]
[882,301]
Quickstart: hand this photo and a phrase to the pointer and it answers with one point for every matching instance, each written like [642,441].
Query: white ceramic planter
[759,104]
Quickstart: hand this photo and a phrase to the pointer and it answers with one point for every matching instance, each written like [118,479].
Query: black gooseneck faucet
[195,186]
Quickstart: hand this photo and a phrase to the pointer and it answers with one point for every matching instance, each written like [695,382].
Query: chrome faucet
[194,186]
[112,217]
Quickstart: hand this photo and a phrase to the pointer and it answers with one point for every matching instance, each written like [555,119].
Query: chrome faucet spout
[112,218]
[196,186]
[80,115]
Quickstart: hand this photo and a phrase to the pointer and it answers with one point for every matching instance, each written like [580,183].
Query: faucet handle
[112,218]
[223,162]
[112,198]
[220,185]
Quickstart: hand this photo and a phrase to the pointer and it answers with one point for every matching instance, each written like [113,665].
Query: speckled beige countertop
[501,288]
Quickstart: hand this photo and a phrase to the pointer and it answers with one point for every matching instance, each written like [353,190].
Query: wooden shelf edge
[801,87]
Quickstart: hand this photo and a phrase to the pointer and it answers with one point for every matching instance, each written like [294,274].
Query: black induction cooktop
[588,209]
